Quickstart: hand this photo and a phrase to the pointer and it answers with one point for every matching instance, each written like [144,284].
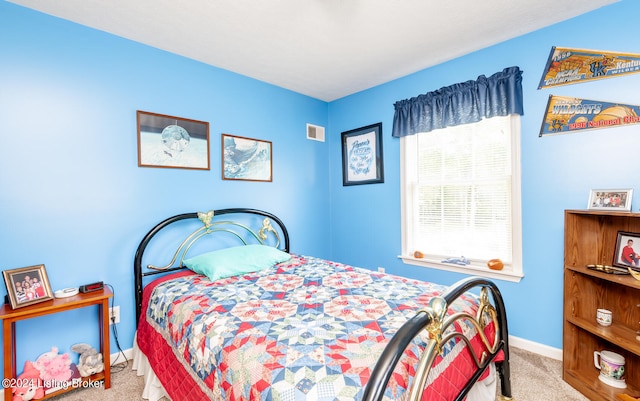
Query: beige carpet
[533,378]
[536,378]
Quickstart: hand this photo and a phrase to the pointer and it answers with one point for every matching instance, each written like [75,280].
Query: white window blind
[461,193]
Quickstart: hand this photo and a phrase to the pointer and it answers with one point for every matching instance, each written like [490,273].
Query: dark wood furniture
[590,238]
[10,316]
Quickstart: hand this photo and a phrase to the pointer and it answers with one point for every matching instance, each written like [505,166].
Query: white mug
[604,317]
[611,366]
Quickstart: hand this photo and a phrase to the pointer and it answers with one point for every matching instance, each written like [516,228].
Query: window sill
[472,269]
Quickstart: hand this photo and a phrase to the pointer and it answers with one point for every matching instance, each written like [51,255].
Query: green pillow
[236,260]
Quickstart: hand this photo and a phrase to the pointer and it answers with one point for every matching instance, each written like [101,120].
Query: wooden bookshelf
[590,238]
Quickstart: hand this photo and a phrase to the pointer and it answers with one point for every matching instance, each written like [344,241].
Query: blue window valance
[463,103]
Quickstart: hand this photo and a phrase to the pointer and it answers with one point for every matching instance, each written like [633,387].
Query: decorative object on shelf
[246,159]
[66,292]
[610,199]
[172,142]
[28,385]
[362,157]
[54,386]
[608,269]
[611,366]
[90,360]
[634,273]
[54,367]
[418,255]
[91,287]
[462,261]
[625,255]
[27,285]
[604,317]
[495,264]
[570,66]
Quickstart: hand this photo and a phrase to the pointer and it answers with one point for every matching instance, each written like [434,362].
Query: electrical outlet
[114,315]
[380,269]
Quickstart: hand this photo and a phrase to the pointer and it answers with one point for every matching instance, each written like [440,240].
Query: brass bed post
[424,319]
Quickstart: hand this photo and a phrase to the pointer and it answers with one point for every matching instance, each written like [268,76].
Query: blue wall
[72,195]
[74,198]
[557,172]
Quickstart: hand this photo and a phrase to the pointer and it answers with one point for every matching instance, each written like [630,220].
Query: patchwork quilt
[306,329]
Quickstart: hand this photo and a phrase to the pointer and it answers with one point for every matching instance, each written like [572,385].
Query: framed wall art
[27,285]
[362,156]
[627,250]
[610,199]
[172,142]
[246,159]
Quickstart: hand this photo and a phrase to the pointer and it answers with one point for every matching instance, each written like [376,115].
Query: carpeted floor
[536,378]
[533,378]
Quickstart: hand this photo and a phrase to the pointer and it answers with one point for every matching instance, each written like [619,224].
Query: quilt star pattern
[306,329]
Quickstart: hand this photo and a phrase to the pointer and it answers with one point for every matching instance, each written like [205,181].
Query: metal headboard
[209,226]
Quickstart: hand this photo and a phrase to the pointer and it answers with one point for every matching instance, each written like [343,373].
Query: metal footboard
[435,321]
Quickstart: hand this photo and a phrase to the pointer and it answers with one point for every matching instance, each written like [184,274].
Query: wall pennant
[570,66]
[569,114]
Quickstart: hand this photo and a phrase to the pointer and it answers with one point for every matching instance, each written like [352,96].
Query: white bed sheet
[153,390]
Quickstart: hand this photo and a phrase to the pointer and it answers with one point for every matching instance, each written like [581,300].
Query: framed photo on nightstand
[27,285]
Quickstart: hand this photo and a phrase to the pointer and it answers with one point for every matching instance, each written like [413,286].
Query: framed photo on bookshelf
[627,253]
[610,199]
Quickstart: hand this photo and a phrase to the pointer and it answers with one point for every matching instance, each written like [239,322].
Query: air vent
[315,132]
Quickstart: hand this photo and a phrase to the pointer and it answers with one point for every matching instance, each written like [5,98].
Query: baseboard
[128,353]
[536,348]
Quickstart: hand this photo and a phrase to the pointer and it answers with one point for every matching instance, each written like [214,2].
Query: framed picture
[627,248]
[362,156]
[610,199]
[246,159]
[27,285]
[172,142]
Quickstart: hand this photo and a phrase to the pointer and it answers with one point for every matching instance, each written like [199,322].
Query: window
[461,197]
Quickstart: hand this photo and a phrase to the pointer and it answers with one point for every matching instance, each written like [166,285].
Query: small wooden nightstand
[10,316]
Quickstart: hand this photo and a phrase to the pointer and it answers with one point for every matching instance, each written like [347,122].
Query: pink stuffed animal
[28,384]
[54,367]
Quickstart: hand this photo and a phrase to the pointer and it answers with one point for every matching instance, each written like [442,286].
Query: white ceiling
[326,49]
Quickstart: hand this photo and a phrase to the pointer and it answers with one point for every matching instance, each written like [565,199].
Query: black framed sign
[362,156]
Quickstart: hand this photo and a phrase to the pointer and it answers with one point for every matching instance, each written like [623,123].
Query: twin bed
[230,314]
